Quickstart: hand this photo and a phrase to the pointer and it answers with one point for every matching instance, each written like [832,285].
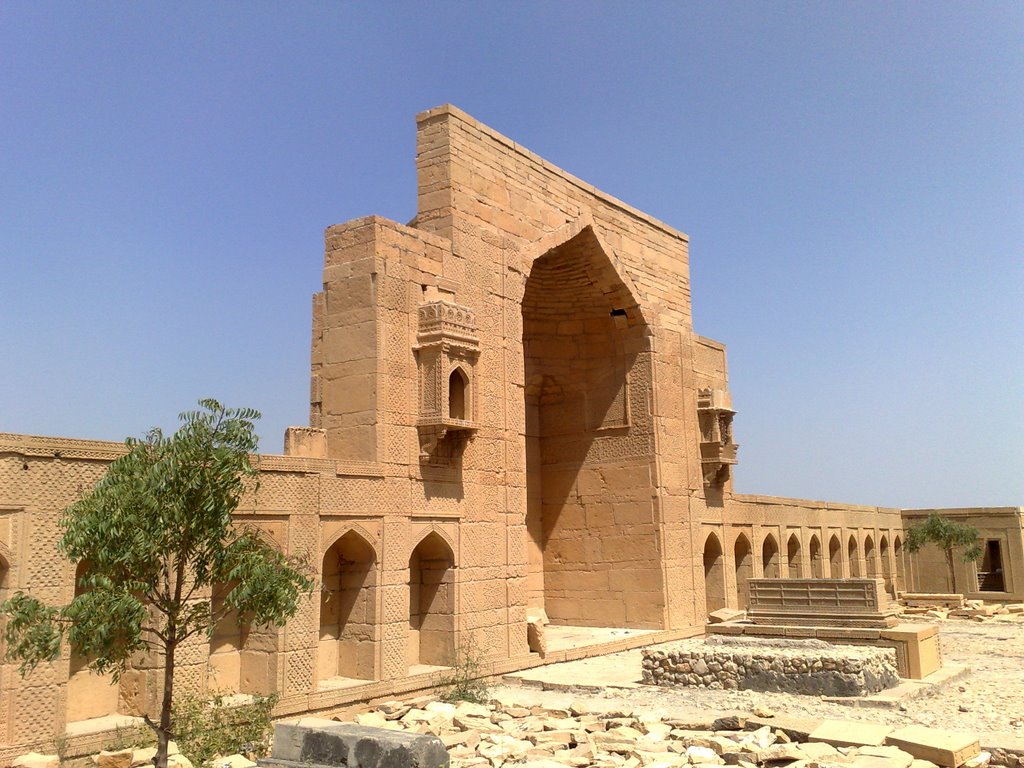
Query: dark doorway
[990,575]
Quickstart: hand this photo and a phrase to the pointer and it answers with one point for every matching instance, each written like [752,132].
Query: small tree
[154,535]
[947,535]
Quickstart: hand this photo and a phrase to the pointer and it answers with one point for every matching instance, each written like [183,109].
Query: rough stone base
[810,667]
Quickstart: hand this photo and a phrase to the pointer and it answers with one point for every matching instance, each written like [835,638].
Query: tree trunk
[163,733]
[952,568]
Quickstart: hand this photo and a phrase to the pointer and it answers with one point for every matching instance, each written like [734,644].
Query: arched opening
[587,372]
[348,611]
[744,560]
[901,565]
[814,551]
[431,603]
[853,557]
[793,563]
[883,554]
[770,558]
[458,384]
[835,558]
[714,574]
[870,563]
[89,694]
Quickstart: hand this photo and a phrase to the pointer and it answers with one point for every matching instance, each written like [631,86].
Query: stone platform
[811,667]
[916,645]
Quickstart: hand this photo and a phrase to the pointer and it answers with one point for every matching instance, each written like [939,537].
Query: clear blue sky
[851,176]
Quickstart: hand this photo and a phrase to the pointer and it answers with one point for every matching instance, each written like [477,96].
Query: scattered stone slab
[795,727]
[36,760]
[942,747]
[723,615]
[122,758]
[851,733]
[325,742]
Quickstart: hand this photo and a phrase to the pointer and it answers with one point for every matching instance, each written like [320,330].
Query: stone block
[36,760]
[917,648]
[325,742]
[724,614]
[847,733]
[942,747]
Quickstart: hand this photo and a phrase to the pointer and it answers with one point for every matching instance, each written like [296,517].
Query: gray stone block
[313,741]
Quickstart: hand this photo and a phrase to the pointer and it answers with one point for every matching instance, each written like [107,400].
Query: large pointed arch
[587,373]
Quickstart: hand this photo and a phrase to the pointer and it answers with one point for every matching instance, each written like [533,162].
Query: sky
[850,175]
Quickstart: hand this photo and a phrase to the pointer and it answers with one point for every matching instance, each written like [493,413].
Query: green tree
[155,534]
[947,535]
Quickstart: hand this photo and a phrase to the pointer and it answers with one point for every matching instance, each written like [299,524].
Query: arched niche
[814,553]
[853,557]
[347,646]
[431,603]
[458,395]
[744,560]
[770,558]
[835,558]
[714,574]
[89,694]
[794,566]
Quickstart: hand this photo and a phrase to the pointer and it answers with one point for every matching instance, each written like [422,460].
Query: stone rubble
[503,733]
[942,607]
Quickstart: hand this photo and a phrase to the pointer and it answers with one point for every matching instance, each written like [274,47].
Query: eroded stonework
[510,412]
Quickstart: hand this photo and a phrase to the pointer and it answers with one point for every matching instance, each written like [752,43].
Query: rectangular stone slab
[848,733]
[948,748]
[326,742]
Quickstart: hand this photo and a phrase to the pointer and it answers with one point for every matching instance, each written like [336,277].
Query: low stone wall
[811,667]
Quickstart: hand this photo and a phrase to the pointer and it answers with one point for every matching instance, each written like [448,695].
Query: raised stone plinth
[821,602]
[916,645]
[810,667]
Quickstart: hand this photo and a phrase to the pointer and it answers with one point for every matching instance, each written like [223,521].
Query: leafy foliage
[948,535]
[204,728]
[153,536]
[465,680]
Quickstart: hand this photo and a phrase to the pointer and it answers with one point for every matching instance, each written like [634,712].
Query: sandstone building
[510,413]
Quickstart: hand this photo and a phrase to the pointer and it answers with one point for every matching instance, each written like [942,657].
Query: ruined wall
[771,537]
[997,576]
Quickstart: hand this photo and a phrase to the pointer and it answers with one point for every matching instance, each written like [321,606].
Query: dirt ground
[988,700]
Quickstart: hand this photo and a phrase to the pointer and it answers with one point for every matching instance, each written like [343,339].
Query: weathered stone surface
[941,747]
[850,733]
[792,666]
[36,760]
[119,759]
[312,740]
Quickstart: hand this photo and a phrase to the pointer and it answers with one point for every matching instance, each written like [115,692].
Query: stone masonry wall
[810,667]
